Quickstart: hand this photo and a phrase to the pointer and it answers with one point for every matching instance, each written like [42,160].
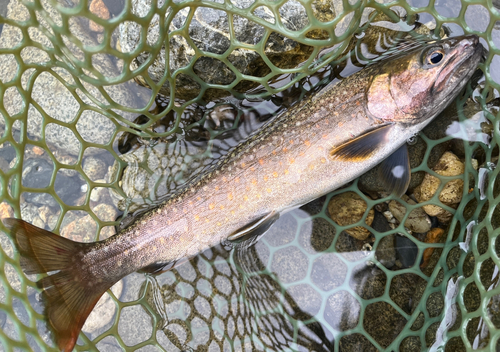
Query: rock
[29,213]
[6,211]
[348,208]
[209,31]
[451,195]
[51,94]
[436,235]
[94,168]
[97,7]
[417,220]
[81,230]
[104,310]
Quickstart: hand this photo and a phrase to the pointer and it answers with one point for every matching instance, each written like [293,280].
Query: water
[307,285]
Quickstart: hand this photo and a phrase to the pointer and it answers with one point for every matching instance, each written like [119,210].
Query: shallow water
[307,284]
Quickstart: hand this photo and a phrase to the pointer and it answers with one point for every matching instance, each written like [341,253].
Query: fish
[316,146]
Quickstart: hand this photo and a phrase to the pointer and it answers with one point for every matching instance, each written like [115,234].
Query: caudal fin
[70,294]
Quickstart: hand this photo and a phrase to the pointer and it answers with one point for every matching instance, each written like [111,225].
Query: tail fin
[70,294]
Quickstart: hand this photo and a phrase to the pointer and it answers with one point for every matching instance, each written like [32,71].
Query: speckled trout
[315,147]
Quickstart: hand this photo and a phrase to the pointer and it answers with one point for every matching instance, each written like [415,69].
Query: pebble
[94,168]
[6,211]
[433,236]
[97,7]
[451,195]
[418,221]
[348,208]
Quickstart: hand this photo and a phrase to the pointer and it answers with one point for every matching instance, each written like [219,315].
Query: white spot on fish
[398,171]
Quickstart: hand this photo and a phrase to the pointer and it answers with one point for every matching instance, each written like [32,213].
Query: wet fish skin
[315,147]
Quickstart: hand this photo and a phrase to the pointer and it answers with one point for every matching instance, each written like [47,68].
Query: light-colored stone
[348,208]
[417,220]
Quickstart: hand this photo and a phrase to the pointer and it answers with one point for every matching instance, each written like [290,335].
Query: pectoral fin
[362,147]
[395,171]
[250,233]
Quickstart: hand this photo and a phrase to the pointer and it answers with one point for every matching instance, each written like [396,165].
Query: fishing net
[109,106]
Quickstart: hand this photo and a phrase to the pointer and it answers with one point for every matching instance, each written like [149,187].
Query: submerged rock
[417,220]
[451,195]
[50,87]
[348,208]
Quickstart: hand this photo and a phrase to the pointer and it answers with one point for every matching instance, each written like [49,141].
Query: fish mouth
[459,69]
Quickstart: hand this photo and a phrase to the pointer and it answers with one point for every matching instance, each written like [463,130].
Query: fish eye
[434,57]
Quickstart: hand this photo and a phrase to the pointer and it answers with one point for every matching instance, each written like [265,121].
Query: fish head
[417,85]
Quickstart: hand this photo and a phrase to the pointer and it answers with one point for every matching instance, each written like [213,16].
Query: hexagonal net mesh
[108,106]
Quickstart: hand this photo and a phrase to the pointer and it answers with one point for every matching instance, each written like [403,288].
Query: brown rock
[97,7]
[433,236]
[451,195]
[6,211]
[348,208]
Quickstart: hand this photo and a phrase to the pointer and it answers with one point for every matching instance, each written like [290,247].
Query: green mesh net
[109,106]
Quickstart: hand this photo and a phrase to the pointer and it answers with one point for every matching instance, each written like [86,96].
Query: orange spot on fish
[211,206]
[243,165]
[275,174]
[301,154]
[274,152]
[286,171]
[261,161]
[216,188]
[169,222]
[325,136]
[162,240]
[224,179]
[196,217]
[284,149]
[307,143]
[292,160]
[252,169]
[269,190]
[358,103]
[291,141]
[258,195]
[185,210]
[237,179]
[245,197]
[206,219]
[221,207]
[265,178]
[323,160]
[340,124]
[230,196]
[311,167]
[232,212]
[254,181]
[199,198]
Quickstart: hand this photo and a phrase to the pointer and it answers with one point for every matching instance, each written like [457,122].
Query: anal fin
[249,234]
[161,267]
